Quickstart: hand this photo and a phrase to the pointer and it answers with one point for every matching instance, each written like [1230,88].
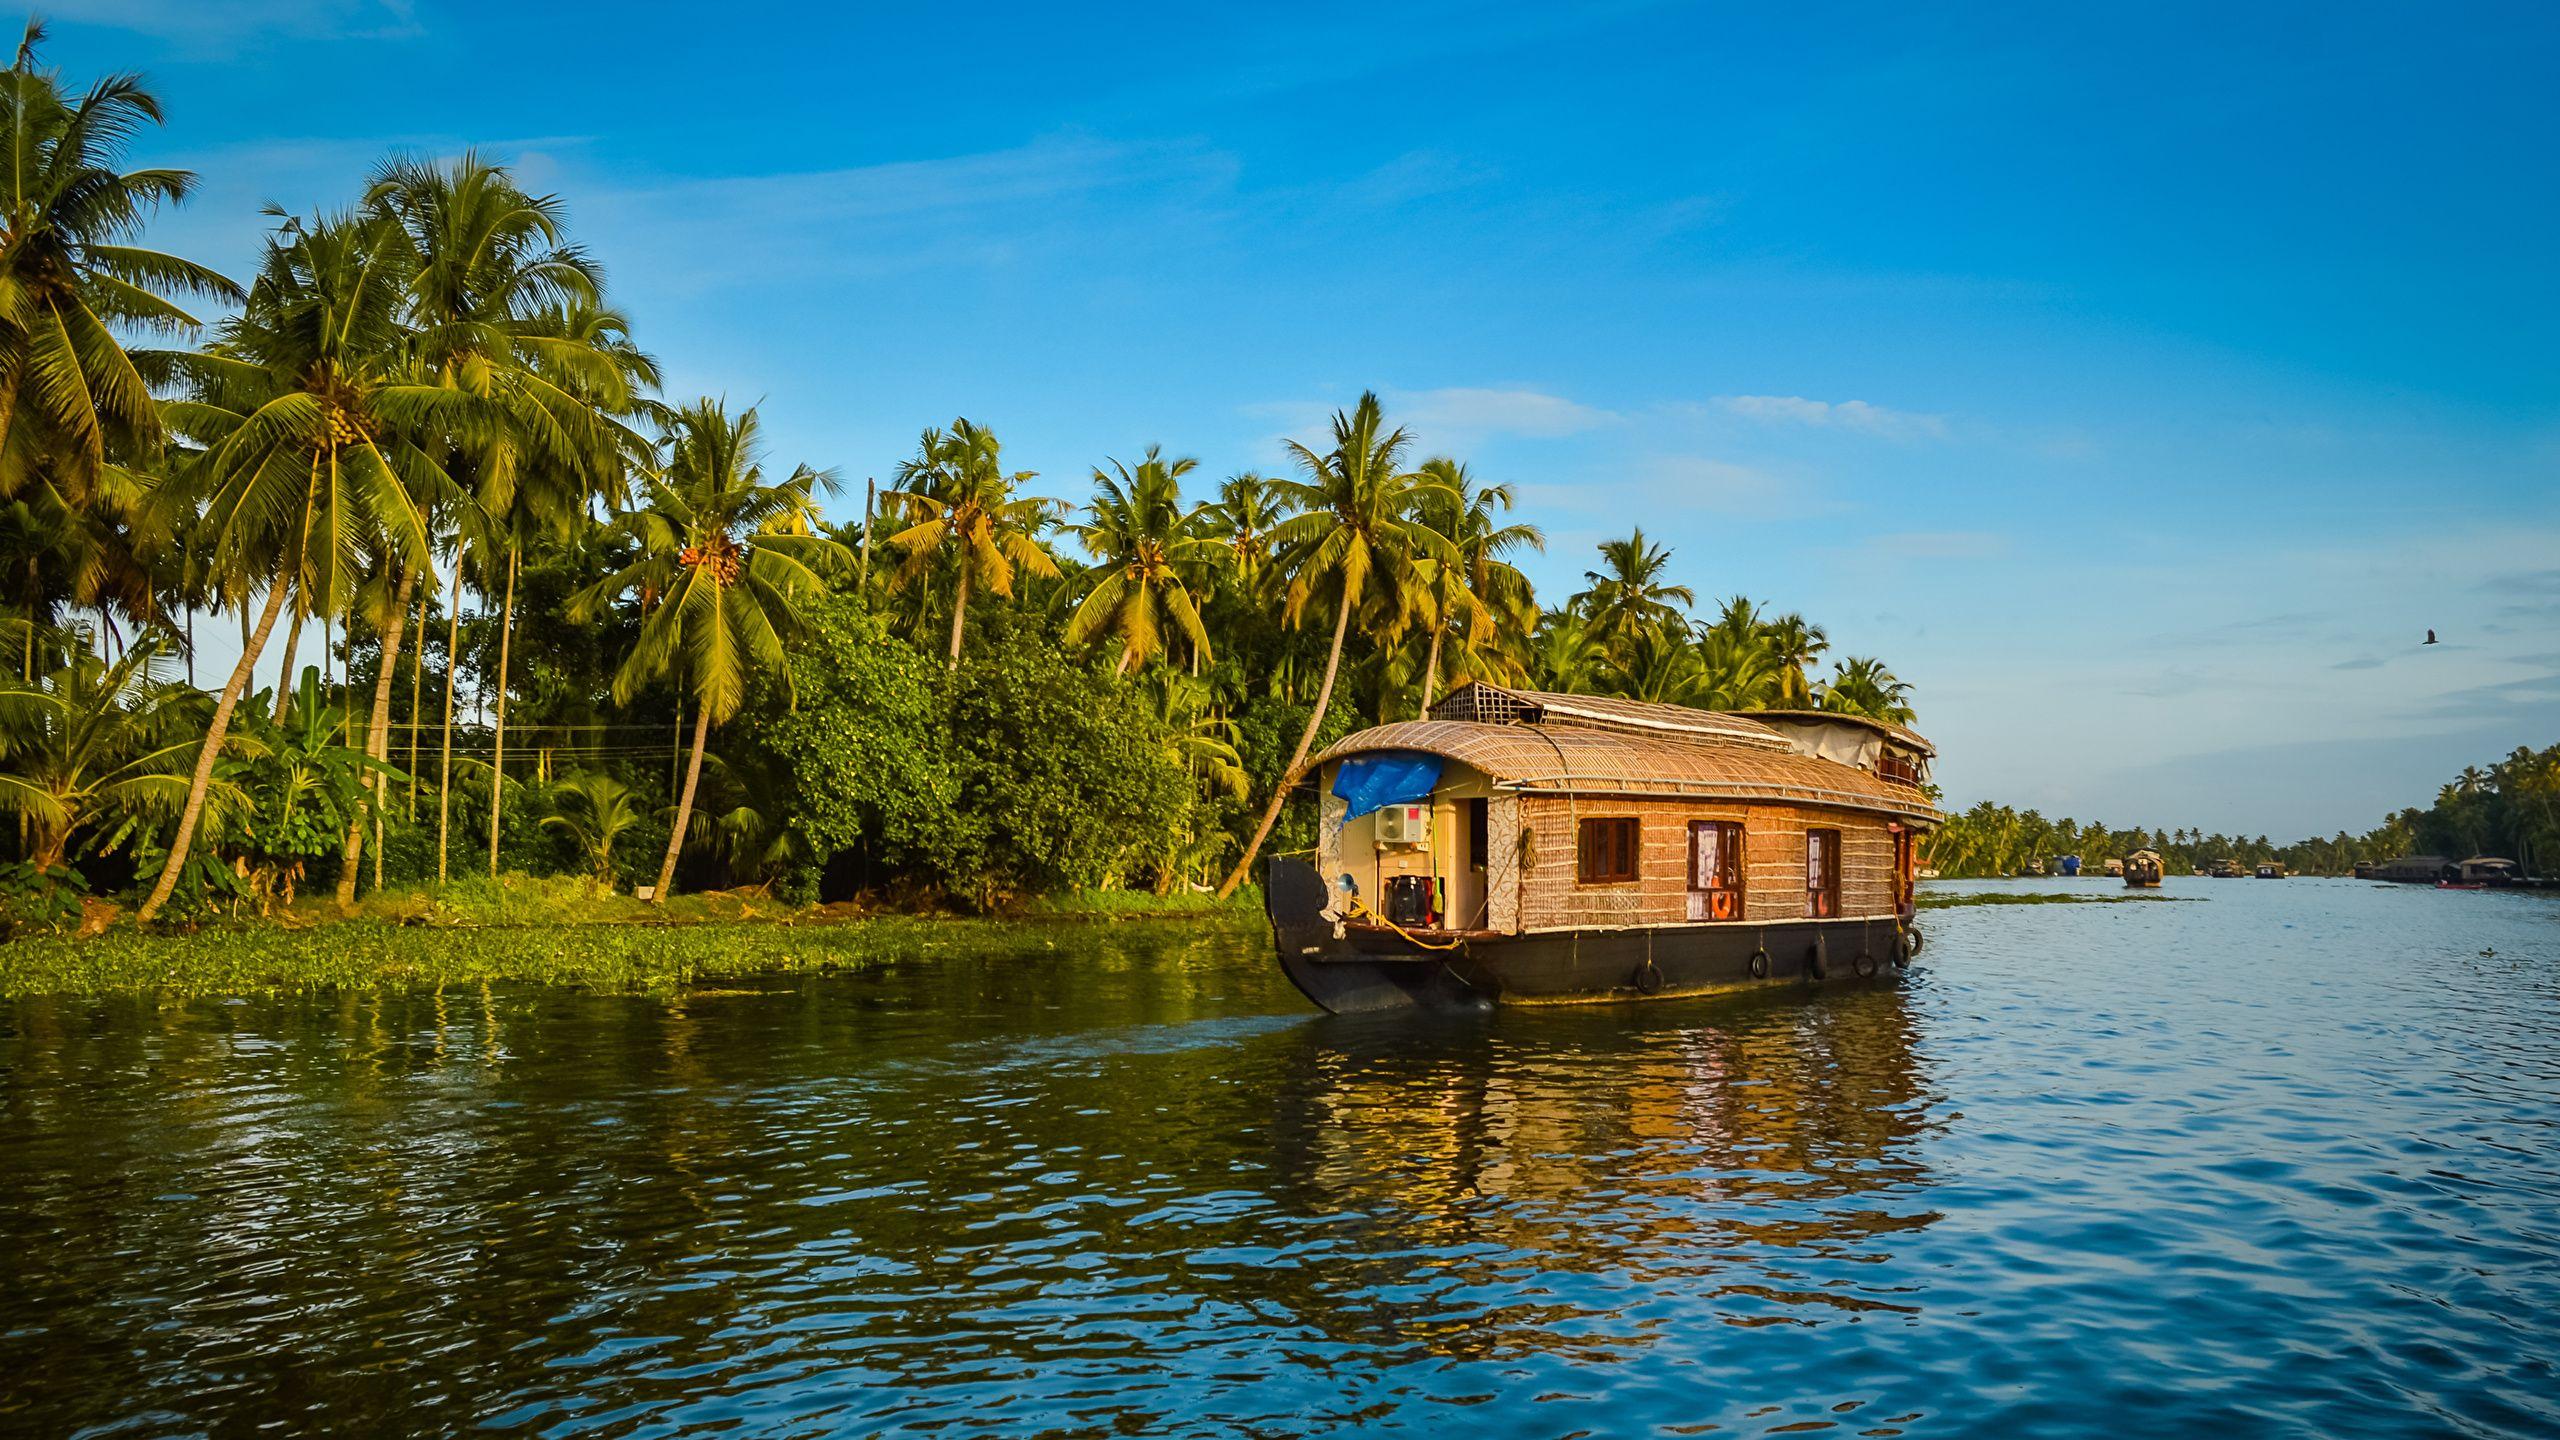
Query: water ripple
[2282,1161]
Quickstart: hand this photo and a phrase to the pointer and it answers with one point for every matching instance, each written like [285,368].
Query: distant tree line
[2510,809]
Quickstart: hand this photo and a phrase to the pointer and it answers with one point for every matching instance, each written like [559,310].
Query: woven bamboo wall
[1773,856]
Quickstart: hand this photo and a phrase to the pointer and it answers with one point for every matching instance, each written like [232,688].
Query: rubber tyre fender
[1864,965]
[1760,963]
[1648,978]
[1817,959]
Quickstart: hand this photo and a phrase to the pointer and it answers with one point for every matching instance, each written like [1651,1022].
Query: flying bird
[2431,637]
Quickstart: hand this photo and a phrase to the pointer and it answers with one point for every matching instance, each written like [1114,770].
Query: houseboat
[2225,870]
[1517,846]
[2270,870]
[2142,870]
[2482,872]
[2415,870]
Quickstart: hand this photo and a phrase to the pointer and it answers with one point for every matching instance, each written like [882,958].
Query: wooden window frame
[1822,901]
[1732,886]
[1587,832]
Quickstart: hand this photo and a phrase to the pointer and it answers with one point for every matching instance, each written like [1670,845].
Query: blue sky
[2141,383]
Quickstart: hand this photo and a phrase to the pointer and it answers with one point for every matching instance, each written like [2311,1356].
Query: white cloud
[989,209]
[1660,484]
[1465,412]
[1855,415]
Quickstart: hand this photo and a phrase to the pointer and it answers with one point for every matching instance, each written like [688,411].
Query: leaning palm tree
[1154,570]
[957,498]
[308,416]
[746,562]
[71,398]
[1478,594]
[1357,540]
[91,741]
[1629,593]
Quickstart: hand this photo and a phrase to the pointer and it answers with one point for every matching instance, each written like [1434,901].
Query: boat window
[1605,852]
[1821,874]
[1715,870]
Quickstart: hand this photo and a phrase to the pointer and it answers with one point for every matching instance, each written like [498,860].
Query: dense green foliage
[2511,809]
[561,623]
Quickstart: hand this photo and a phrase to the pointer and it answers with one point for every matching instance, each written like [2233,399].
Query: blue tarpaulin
[1374,782]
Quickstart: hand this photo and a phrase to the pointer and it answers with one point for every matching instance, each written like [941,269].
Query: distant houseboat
[2482,872]
[1519,846]
[2270,871]
[2416,870]
[2225,870]
[2142,870]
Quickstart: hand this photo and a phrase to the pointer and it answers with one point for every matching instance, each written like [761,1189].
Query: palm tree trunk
[1430,674]
[190,816]
[284,676]
[1298,760]
[959,613]
[684,805]
[377,738]
[498,746]
[417,682]
[452,668]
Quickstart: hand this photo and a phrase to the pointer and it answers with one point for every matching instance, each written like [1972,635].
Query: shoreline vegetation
[531,616]
[2509,809]
[557,935]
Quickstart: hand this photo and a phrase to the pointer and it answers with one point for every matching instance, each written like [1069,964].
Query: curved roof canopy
[1500,704]
[1570,760]
[1899,734]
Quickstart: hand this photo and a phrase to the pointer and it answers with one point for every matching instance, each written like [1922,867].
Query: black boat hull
[1352,968]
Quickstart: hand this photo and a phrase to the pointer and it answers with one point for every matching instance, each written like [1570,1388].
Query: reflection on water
[2281,1160]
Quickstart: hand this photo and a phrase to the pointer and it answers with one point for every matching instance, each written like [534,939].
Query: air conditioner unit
[1404,825]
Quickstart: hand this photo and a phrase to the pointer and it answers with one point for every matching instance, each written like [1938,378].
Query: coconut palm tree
[1630,593]
[1155,562]
[92,741]
[958,499]
[1248,508]
[72,401]
[1562,655]
[747,560]
[1657,664]
[594,810]
[1357,542]
[1862,686]
[1797,646]
[1737,671]
[509,314]
[1482,592]
[309,418]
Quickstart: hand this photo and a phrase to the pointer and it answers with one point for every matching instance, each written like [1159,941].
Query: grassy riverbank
[532,932]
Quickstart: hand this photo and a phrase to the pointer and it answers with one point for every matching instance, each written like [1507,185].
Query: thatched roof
[1500,705]
[1573,760]
[1899,734]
